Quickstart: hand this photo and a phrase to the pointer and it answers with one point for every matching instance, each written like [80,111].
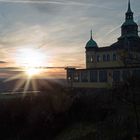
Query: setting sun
[31,57]
[32,71]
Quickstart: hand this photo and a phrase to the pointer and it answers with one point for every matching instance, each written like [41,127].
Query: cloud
[31,1]
[23,36]
[66,3]
[61,26]
[3,62]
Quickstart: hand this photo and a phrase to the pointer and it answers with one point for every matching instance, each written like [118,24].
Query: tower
[129,28]
[91,48]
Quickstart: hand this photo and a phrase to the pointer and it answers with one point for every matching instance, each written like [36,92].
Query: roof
[134,43]
[129,22]
[91,43]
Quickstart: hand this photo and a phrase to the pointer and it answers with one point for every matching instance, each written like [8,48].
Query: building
[106,66]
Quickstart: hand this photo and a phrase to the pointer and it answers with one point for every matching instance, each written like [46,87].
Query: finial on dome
[129,6]
[91,34]
[91,43]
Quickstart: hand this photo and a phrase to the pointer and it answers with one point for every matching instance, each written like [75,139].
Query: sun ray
[17,76]
[30,62]
[27,83]
[19,84]
[32,71]
[34,85]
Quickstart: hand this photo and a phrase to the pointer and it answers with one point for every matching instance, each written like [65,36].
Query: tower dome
[129,27]
[91,43]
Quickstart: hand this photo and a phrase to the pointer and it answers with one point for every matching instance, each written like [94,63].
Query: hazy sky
[59,28]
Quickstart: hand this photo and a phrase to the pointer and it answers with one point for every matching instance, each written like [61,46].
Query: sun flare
[31,64]
[32,72]
[30,57]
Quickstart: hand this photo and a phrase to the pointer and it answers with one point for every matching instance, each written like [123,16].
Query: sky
[58,30]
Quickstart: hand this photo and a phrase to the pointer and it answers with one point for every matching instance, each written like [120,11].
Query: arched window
[98,58]
[104,57]
[108,57]
[114,57]
[91,59]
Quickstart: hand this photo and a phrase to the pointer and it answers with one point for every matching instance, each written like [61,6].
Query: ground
[61,113]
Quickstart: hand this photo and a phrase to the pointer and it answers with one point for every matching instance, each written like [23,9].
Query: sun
[31,64]
[30,57]
[32,72]
[31,60]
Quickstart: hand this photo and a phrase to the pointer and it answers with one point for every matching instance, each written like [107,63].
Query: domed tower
[91,48]
[129,27]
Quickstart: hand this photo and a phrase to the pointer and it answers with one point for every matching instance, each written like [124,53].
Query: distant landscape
[8,86]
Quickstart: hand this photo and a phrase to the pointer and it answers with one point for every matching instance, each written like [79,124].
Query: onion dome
[129,27]
[91,43]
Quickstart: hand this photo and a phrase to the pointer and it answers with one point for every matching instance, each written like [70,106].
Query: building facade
[112,64]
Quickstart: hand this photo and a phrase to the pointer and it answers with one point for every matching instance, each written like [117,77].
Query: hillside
[59,113]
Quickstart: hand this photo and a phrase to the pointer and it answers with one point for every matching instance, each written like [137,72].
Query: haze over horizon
[57,31]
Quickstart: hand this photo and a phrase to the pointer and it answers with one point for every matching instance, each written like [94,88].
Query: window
[104,57]
[114,57]
[103,76]
[108,57]
[98,58]
[93,76]
[84,76]
[125,75]
[116,76]
[91,59]
[136,73]
[76,77]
